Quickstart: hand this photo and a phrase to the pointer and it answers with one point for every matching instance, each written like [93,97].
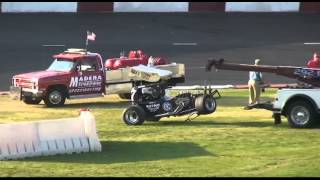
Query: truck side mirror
[78,68]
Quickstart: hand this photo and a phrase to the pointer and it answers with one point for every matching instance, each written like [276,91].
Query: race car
[150,103]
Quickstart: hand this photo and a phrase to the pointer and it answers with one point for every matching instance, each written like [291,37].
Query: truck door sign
[85,84]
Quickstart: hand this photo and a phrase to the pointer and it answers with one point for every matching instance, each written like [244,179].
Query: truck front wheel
[54,98]
[300,114]
[32,100]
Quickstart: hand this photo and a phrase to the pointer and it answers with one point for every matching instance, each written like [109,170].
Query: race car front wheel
[205,104]
[134,115]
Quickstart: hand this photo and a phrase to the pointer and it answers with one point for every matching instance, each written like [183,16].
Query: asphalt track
[275,38]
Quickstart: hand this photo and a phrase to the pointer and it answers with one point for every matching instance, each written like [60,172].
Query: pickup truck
[76,73]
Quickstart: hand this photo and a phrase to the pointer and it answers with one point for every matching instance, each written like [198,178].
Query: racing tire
[125,95]
[32,100]
[134,115]
[55,98]
[205,104]
[301,114]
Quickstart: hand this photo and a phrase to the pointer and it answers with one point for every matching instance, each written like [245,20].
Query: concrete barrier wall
[19,7]
[39,7]
[151,6]
[262,6]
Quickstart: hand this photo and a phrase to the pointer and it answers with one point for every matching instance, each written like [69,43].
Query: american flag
[91,36]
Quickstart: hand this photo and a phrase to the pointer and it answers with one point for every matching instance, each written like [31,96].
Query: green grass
[229,142]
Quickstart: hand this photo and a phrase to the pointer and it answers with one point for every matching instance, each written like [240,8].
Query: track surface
[276,38]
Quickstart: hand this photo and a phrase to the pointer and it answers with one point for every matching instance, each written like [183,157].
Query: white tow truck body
[301,106]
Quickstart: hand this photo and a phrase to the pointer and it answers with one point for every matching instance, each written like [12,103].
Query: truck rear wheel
[134,115]
[205,104]
[125,95]
[32,100]
[55,97]
[301,114]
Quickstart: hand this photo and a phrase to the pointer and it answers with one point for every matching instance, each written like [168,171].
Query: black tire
[205,104]
[134,115]
[55,97]
[301,114]
[32,100]
[125,95]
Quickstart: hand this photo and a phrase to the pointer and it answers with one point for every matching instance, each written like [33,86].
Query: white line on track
[196,67]
[184,44]
[54,45]
[311,43]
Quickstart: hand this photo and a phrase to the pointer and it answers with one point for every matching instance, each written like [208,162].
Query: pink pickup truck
[77,73]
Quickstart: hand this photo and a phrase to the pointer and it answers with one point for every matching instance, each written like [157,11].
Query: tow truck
[77,73]
[300,103]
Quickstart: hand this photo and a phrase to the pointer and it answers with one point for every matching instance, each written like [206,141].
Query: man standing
[315,62]
[255,80]
[151,61]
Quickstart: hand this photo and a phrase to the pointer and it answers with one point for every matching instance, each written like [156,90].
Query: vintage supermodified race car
[150,103]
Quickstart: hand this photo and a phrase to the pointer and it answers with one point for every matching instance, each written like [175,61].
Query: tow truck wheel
[55,97]
[205,104]
[32,100]
[125,95]
[300,114]
[134,115]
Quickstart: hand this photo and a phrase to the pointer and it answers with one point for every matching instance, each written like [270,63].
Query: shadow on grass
[236,101]
[128,152]
[208,123]
[93,105]
[283,125]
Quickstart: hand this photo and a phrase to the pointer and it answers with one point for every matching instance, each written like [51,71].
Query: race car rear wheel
[32,100]
[134,115]
[205,104]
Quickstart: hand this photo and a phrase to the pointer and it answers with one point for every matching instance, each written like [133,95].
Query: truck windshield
[61,65]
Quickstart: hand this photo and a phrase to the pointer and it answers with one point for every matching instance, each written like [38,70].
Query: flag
[91,36]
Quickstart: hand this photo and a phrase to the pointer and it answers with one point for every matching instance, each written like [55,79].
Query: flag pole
[87,42]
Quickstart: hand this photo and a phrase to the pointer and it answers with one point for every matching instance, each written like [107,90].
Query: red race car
[134,58]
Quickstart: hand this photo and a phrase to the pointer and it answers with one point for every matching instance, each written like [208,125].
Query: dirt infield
[190,38]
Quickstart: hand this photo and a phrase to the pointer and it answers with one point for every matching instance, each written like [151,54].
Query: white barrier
[199,87]
[151,6]
[262,6]
[49,137]
[39,7]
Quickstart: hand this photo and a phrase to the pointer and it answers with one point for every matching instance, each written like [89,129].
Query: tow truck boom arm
[307,75]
